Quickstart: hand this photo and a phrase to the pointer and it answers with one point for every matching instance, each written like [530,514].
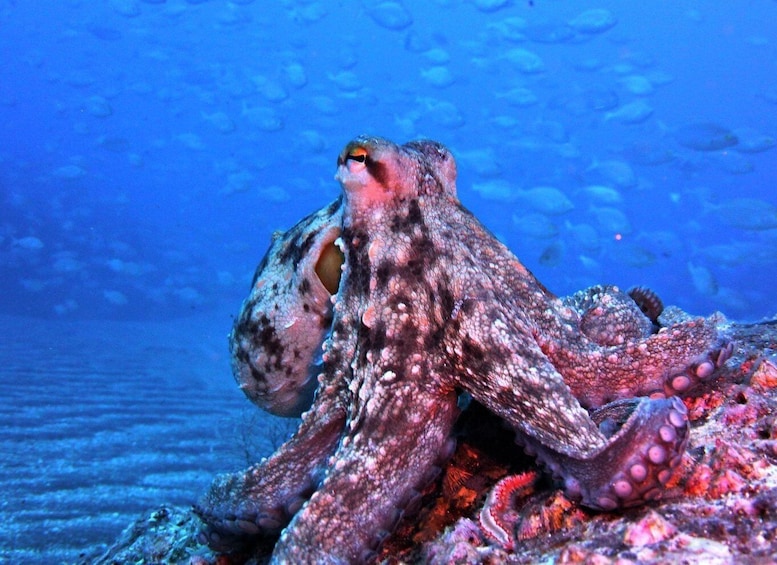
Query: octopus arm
[639,459]
[498,362]
[617,457]
[670,362]
[262,499]
[395,443]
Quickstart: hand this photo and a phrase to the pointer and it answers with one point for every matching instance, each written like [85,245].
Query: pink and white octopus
[379,312]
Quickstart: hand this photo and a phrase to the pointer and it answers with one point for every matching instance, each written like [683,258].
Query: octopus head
[375,172]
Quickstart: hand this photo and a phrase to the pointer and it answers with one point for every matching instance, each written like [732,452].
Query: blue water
[149,149]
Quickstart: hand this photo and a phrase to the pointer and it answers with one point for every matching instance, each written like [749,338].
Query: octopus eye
[356,160]
[328,267]
[357,154]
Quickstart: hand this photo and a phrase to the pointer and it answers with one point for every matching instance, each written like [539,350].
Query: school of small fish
[152,146]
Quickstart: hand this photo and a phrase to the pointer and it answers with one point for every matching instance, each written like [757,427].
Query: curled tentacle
[642,454]
[647,301]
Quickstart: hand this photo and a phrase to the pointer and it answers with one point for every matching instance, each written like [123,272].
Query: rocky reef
[720,508]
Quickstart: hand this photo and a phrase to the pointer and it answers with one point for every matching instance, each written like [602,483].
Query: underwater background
[150,148]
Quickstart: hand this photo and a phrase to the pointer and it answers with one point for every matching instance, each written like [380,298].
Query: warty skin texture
[429,305]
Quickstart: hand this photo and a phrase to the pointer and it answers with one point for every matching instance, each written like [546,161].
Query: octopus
[377,315]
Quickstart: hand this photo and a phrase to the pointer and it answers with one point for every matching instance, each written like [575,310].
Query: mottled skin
[287,316]
[430,304]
